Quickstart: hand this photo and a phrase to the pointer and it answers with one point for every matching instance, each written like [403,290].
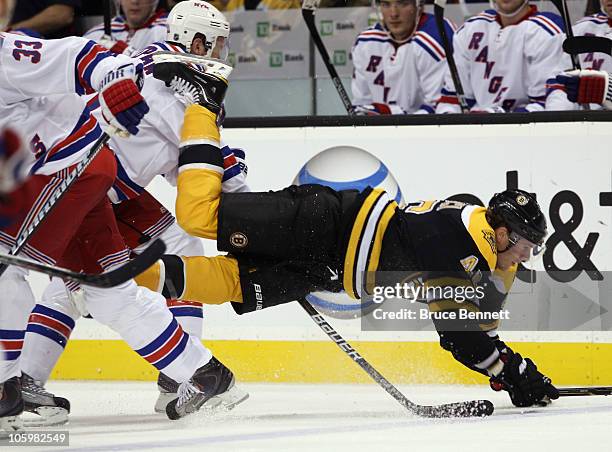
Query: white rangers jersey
[510,68]
[596,25]
[408,74]
[33,67]
[154,30]
[155,150]
[40,86]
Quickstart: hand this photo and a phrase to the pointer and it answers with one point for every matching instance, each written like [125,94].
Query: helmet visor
[526,249]
[219,48]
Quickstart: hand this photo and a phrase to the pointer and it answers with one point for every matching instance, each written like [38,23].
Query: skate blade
[226,401]
[163,400]
[212,66]
[10,424]
[46,416]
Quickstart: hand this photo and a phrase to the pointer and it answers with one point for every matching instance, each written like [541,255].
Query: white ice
[298,417]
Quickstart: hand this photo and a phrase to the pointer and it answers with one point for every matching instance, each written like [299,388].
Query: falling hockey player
[284,244]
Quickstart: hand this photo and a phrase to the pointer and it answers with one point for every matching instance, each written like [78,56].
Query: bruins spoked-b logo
[238,240]
[522,200]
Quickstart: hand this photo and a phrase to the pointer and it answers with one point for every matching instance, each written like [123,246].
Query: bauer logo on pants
[238,240]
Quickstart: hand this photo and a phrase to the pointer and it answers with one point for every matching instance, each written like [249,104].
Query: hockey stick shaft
[561,5]
[103,280]
[308,13]
[587,44]
[27,230]
[106,4]
[461,409]
[450,58]
[585,391]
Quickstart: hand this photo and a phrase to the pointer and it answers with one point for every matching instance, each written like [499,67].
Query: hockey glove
[122,105]
[117,47]
[587,87]
[376,109]
[525,384]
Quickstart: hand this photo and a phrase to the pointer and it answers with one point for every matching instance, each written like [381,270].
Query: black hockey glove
[525,384]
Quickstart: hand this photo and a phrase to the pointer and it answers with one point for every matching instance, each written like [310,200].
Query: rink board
[429,162]
[323,362]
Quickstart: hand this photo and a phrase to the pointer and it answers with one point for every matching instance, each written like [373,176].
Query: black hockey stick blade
[472,408]
[103,280]
[585,391]
[587,44]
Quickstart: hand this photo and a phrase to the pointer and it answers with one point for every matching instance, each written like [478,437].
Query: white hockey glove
[122,105]
[587,87]
[118,47]
[376,109]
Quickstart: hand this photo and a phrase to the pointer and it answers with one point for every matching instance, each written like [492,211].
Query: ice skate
[205,87]
[212,383]
[168,391]
[11,406]
[52,410]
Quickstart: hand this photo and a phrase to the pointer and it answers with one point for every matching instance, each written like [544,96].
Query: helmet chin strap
[509,15]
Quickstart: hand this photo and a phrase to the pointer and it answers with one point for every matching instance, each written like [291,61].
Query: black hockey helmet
[519,211]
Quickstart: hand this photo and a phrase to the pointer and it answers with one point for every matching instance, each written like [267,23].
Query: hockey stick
[586,391]
[561,5]
[114,277]
[106,5]
[478,408]
[450,59]
[309,8]
[587,44]
[27,230]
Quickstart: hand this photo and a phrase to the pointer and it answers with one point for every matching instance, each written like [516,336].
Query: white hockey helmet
[192,17]
[6,12]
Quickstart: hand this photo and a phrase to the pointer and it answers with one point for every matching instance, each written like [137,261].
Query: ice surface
[298,417]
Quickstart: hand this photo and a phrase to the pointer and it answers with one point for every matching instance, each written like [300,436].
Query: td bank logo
[327,27]
[263,29]
[276,59]
[231,59]
[339,57]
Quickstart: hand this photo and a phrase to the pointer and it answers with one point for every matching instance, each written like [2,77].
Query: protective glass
[389,4]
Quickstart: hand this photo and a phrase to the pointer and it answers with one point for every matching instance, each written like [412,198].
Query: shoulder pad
[549,22]
[482,233]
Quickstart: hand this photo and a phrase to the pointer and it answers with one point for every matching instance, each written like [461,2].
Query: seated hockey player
[286,244]
[399,63]
[595,25]
[138,24]
[507,59]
